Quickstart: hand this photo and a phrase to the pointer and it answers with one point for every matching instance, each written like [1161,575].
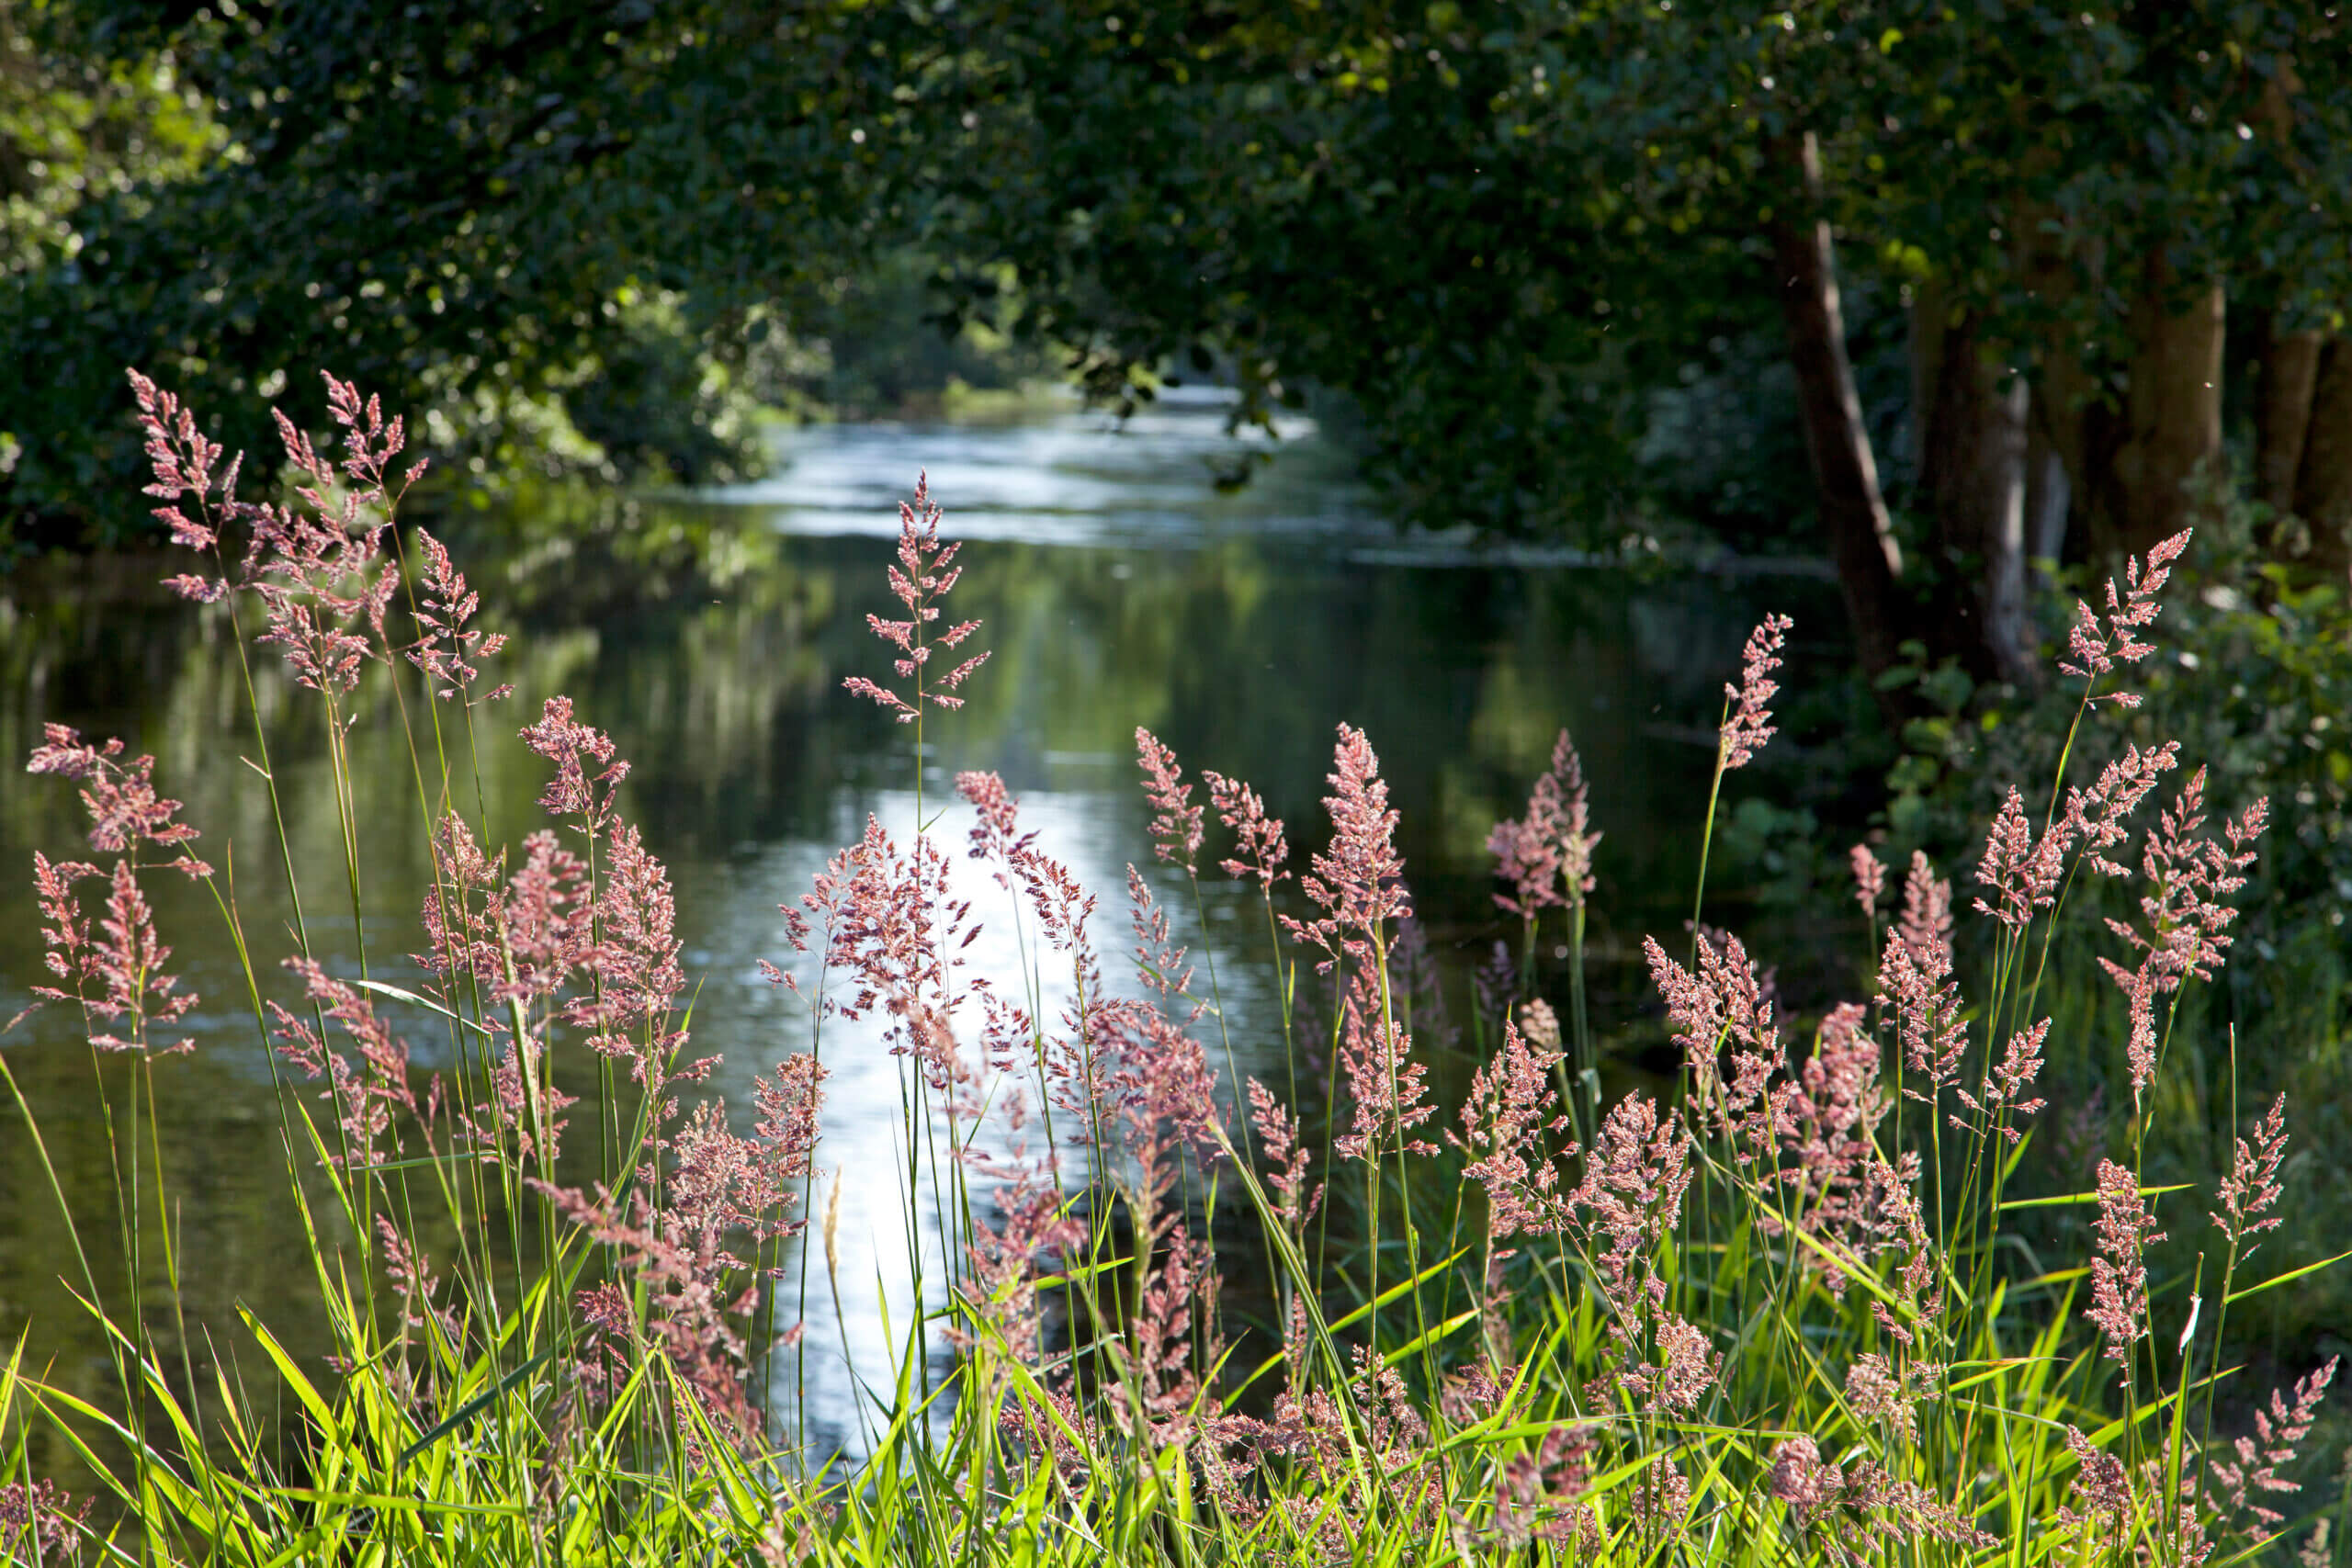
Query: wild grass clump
[1784,1313]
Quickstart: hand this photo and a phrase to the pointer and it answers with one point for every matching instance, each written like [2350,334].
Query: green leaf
[2237,1296]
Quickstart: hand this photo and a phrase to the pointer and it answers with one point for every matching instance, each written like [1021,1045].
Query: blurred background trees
[1932,289]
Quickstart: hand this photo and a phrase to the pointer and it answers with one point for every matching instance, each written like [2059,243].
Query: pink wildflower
[680,1255]
[2096,646]
[2120,1272]
[460,937]
[1360,883]
[788,1102]
[1548,852]
[406,1272]
[899,934]
[1285,1156]
[1876,1391]
[1634,1179]
[2096,815]
[1383,1080]
[1661,1497]
[364,1094]
[116,974]
[445,644]
[549,919]
[318,575]
[1824,1120]
[2022,876]
[1176,830]
[997,835]
[2188,873]
[369,443]
[2251,1190]
[1724,1006]
[125,811]
[181,459]
[1577,841]
[2101,1482]
[1801,1479]
[1261,850]
[573,747]
[1870,878]
[1031,1224]
[1158,958]
[2002,1093]
[1926,923]
[1508,1112]
[1528,857]
[635,959]
[36,1524]
[923,575]
[1915,986]
[1749,723]
[2279,1433]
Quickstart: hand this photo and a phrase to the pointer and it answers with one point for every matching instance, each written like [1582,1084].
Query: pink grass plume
[925,574]
[1748,724]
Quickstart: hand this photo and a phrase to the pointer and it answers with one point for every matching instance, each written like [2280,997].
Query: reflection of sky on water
[1079,479]
[735,925]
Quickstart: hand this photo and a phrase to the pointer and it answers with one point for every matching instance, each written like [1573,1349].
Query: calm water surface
[710,635]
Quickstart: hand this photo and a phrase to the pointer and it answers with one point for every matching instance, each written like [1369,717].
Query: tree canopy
[1993,266]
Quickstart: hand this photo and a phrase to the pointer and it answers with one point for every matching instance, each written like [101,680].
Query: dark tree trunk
[1972,470]
[2323,479]
[2285,373]
[2171,418]
[1853,510]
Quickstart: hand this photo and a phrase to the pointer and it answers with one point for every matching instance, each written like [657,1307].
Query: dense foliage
[1521,241]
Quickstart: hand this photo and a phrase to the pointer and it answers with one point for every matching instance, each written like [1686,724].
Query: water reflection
[710,637]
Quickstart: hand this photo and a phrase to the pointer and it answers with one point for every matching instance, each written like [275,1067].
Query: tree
[455,203]
[1448,211]
[1999,249]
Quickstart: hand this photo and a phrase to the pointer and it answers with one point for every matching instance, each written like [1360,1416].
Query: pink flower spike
[2251,1190]
[1510,1110]
[573,747]
[1260,850]
[1176,830]
[920,579]
[2097,645]
[1749,725]
[1360,884]
[1546,856]
[1870,878]
[2023,876]
[2120,1272]
[445,643]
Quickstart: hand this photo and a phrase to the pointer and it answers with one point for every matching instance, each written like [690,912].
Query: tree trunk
[1845,473]
[2323,479]
[2171,424]
[2285,372]
[1972,470]
[2049,492]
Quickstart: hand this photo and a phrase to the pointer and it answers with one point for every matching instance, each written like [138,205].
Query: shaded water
[710,635]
